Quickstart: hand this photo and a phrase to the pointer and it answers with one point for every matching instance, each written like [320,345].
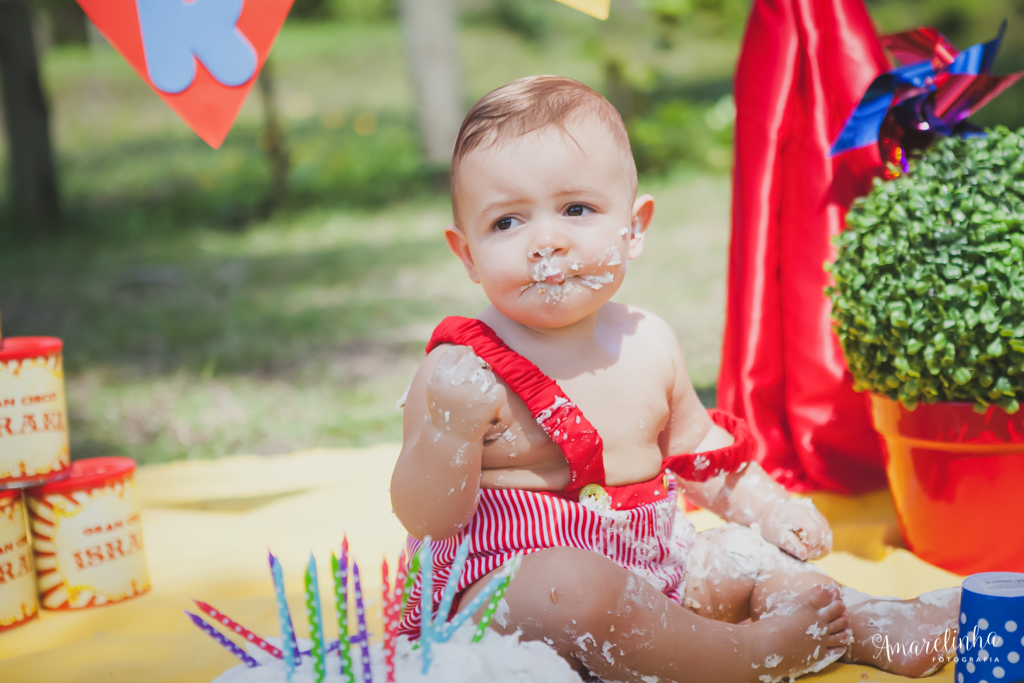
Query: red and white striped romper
[638,526]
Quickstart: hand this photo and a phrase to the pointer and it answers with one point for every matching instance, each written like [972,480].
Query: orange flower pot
[957,482]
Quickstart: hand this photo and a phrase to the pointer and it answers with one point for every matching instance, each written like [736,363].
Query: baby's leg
[907,637]
[620,627]
[733,574]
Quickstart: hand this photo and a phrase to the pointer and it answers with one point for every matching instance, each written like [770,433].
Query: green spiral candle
[492,606]
[316,623]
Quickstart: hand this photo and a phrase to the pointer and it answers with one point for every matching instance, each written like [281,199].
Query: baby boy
[561,427]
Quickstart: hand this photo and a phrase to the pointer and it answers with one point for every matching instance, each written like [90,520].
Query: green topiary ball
[928,295]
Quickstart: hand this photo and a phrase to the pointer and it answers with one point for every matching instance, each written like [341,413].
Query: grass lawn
[198,324]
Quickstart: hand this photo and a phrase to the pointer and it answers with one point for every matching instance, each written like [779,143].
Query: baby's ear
[640,220]
[459,246]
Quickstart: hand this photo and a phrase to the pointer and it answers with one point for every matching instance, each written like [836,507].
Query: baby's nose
[547,238]
[549,250]
[545,252]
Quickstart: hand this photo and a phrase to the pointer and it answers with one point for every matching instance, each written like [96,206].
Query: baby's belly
[550,479]
[551,473]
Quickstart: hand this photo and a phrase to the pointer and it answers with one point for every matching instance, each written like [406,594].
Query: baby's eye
[578,210]
[506,223]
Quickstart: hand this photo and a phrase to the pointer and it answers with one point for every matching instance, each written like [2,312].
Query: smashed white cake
[495,659]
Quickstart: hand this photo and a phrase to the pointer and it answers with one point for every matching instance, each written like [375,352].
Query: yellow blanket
[208,525]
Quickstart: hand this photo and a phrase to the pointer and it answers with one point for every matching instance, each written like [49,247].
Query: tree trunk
[33,179]
[272,137]
[430,33]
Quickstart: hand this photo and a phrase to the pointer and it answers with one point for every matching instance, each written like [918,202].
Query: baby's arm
[749,496]
[454,401]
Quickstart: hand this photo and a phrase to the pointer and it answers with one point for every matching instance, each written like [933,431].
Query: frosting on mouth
[555,284]
[597,281]
[545,270]
[558,292]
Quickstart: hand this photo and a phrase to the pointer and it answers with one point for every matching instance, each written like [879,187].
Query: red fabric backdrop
[803,67]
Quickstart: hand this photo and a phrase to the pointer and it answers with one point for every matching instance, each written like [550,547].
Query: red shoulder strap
[555,413]
[703,466]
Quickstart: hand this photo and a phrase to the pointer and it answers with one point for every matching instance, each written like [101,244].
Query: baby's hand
[464,398]
[797,527]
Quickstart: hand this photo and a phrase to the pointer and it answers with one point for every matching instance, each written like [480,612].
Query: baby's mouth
[555,279]
[559,283]
[556,283]
[545,272]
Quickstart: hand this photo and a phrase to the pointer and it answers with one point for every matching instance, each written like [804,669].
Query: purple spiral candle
[340,570]
[224,642]
[364,640]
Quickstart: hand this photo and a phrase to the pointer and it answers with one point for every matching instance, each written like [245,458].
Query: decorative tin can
[18,602]
[33,412]
[991,633]
[87,536]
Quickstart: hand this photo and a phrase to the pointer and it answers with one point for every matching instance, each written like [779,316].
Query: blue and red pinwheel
[930,94]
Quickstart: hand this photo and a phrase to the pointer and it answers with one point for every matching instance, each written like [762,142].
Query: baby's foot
[803,634]
[907,637]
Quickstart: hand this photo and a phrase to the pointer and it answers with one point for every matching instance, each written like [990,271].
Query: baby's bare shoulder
[646,328]
[647,342]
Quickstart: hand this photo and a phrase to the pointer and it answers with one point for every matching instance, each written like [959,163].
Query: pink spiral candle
[234,626]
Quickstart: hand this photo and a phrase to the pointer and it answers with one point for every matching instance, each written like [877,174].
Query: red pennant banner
[200,56]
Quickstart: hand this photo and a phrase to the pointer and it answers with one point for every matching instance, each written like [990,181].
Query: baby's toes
[819,597]
[832,611]
[839,624]
[838,639]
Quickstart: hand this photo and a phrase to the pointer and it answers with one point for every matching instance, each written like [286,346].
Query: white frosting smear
[495,659]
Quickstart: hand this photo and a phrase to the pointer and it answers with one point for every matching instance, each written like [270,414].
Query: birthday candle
[426,602]
[316,624]
[400,581]
[364,639]
[227,644]
[341,605]
[239,629]
[284,617]
[387,619]
[410,579]
[474,604]
[451,586]
[395,606]
[499,593]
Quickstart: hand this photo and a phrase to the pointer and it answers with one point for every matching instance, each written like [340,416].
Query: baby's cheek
[501,286]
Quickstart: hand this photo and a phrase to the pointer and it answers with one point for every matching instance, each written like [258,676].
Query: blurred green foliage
[527,18]
[352,10]
[117,191]
[675,16]
[679,132]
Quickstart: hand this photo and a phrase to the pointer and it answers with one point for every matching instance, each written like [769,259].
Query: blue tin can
[991,634]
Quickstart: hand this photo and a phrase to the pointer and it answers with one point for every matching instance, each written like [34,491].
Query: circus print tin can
[33,412]
[18,602]
[87,536]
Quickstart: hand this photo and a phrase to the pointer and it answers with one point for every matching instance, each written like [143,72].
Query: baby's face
[548,222]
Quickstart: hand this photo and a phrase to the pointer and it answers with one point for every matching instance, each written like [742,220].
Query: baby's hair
[535,103]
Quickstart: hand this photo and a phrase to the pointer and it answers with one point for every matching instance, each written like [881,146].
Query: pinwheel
[931,93]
